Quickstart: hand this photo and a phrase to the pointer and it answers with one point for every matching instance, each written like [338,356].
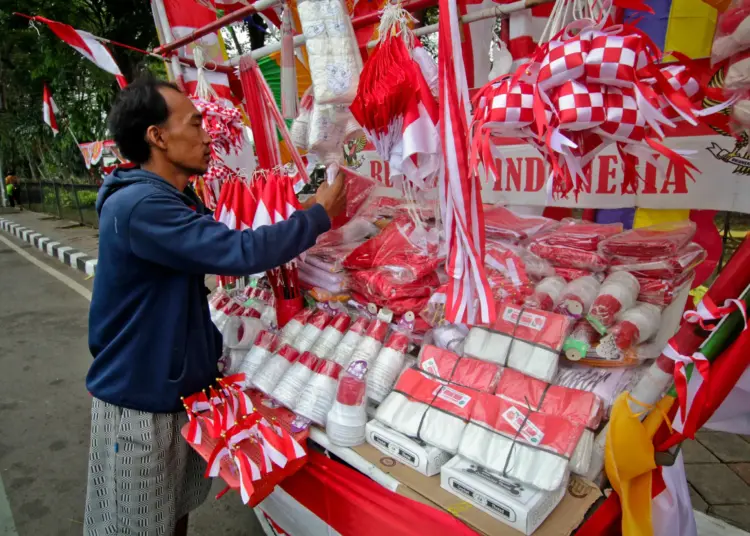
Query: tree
[83,92]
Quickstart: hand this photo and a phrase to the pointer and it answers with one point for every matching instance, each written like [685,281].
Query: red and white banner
[723,184]
[86,44]
[49,110]
[326,498]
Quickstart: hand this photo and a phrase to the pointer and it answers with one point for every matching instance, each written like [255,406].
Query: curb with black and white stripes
[65,254]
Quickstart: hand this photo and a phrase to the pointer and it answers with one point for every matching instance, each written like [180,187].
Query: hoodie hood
[122,178]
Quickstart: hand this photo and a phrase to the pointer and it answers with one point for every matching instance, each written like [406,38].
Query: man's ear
[154,136]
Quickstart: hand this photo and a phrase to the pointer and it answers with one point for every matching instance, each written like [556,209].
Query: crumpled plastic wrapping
[650,242]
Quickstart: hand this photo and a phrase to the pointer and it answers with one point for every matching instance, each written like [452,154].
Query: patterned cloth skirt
[143,476]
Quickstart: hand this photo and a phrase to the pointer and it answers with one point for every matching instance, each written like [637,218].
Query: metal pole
[160,16]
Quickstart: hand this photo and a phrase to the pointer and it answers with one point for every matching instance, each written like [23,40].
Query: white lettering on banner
[723,184]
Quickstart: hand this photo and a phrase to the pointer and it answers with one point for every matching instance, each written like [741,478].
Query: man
[10,191]
[149,328]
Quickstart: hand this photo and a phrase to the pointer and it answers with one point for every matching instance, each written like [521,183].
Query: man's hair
[136,108]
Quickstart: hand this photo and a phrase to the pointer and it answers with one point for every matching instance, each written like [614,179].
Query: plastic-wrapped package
[618,293]
[300,131]
[581,340]
[661,266]
[732,32]
[450,337]
[579,234]
[547,293]
[269,374]
[662,292]
[636,325]
[422,407]
[501,223]
[569,274]
[359,189]
[738,73]
[392,250]
[399,306]
[229,309]
[500,253]
[294,327]
[290,386]
[347,418]
[315,277]
[579,407]
[464,371]
[265,345]
[607,383]
[345,349]
[240,331]
[655,241]
[311,331]
[316,399]
[570,257]
[525,339]
[532,447]
[387,366]
[368,347]
[332,334]
[382,283]
[578,296]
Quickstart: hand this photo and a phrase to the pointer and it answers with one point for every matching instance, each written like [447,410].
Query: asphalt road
[45,409]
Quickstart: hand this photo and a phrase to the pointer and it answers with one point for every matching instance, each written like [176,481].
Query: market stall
[470,367]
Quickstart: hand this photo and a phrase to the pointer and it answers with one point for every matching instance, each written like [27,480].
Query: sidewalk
[717,464]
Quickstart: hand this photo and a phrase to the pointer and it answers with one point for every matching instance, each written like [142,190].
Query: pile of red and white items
[589,87]
[732,48]
[238,441]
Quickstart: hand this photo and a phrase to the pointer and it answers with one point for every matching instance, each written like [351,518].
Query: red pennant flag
[49,110]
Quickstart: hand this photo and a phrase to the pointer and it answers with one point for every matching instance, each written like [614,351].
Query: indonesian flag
[86,44]
[49,109]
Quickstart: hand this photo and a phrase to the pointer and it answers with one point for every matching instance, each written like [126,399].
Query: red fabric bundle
[392,250]
[358,191]
[501,223]
[399,306]
[662,291]
[661,266]
[579,234]
[569,274]
[570,257]
[650,242]
[382,283]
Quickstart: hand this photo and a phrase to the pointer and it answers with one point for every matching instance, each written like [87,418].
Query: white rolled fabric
[578,296]
[316,399]
[291,384]
[581,459]
[536,361]
[532,466]
[266,378]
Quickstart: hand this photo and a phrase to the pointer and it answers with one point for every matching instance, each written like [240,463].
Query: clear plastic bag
[503,224]
[463,371]
[636,325]
[578,296]
[570,257]
[661,266]
[547,293]
[662,292]
[311,331]
[293,381]
[326,344]
[569,274]
[618,293]
[732,32]
[665,239]
[345,349]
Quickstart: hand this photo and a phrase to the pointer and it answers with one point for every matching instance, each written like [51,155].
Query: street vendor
[150,332]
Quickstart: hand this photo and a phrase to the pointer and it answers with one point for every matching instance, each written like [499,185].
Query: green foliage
[83,92]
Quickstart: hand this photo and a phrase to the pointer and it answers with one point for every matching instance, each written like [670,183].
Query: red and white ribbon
[708,311]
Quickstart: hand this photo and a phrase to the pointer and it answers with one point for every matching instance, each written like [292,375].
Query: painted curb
[65,254]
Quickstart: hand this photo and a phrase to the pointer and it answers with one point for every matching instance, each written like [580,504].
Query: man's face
[187,144]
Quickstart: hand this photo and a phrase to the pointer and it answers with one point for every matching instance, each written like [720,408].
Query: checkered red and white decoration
[680,79]
[564,61]
[624,121]
[580,105]
[614,59]
[512,106]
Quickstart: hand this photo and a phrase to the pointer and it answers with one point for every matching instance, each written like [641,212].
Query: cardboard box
[579,497]
[421,457]
[520,506]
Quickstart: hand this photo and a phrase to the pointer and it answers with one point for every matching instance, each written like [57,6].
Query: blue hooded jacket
[149,326]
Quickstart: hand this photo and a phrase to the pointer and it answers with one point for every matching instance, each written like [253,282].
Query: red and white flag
[86,44]
[49,110]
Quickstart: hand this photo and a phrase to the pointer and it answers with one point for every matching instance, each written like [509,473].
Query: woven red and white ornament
[580,105]
[614,59]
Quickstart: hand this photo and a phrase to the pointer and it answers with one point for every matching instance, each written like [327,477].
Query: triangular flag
[49,110]
[86,44]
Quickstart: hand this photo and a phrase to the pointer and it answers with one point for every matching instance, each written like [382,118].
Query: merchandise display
[265,345]
[290,386]
[547,293]
[618,293]
[316,399]
[347,418]
[269,374]
[312,329]
[387,366]
[372,340]
[331,336]
[578,296]
[345,348]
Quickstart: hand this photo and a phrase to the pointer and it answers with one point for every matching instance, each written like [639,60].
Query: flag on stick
[49,110]
[86,44]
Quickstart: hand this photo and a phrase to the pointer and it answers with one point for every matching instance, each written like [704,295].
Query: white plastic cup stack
[312,330]
[229,310]
[387,366]
[240,331]
[331,336]
[294,327]
[346,422]
[318,395]
[216,305]
[265,345]
[274,368]
[345,349]
[288,390]
[368,348]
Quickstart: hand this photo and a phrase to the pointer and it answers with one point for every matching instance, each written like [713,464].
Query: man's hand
[332,196]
